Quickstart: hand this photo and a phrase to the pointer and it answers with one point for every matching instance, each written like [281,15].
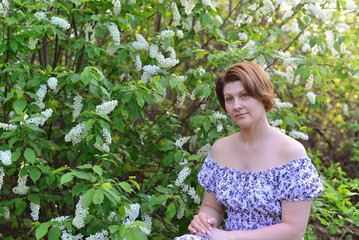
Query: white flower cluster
[179,143]
[330,42]
[180,212]
[290,74]
[77,106]
[182,176]
[2,175]
[104,235]
[52,83]
[103,148]
[350,5]
[252,47]
[89,31]
[197,26]
[180,100]
[311,96]
[76,134]
[106,107]
[291,62]
[282,105]
[138,63]
[298,135]
[166,62]
[203,151]
[176,15]
[149,71]
[34,211]
[40,15]
[219,127]
[208,3]
[4,8]
[61,220]
[309,83]
[131,214]
[153,50]
[60,22]
[80,214]
[106,135]
[192,192]
[41,92]
[242,36]
[39,120]
[218,115]
[276,122]
[7,213]
[167,34]
[21,188]
[68,236]
[111,50]
[32,43]
[341,27]
[115,33]
[280,129]
[117,6]
[8,127]
[187,24]
[112,217]
[188,5]
[268,7]
[287,14]
[179,34]
[148,220]
[141,43]
[5,157]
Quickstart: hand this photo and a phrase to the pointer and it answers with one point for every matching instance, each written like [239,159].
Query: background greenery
[295,41]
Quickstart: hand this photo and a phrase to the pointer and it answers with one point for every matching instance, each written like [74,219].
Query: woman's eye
[229,99]
[244,95]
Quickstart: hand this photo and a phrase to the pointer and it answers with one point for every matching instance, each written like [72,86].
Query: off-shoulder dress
[253,198]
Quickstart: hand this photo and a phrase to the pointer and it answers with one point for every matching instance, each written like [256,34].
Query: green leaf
[125,186]
[89,124]
[122,56]
[35,174]
[19,105]
[15,156]
[42,230]
[135,233]
[60,170]
[67,177]
[34,198]
[11,20]
[83,175]
[86,76]
[171,211]
[98,170]
[301,25]
[87,198]
[98,196]
[13,45]
[29,155]
[207,124]
[54,233]
[9,96]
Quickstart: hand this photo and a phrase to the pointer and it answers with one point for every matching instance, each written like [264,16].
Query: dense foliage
[108,108]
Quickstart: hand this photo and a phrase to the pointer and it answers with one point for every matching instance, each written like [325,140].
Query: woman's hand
[202,224]
[217,234]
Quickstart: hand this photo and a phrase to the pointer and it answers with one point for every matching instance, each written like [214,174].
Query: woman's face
[243,109]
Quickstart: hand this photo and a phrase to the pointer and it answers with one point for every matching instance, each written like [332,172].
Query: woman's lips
[240,114]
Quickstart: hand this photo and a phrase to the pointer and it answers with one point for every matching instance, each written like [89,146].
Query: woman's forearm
[281,231]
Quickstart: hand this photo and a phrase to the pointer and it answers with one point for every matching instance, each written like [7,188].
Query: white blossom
[167,34]
[287,14]
[39,121]
[138,63]
[280,129]
[65,235]
[208,3]
[309,83]
[166,62]
[290,74]
[34,211]
[106,107]
[103,148]
[5,157]
[219,19]
[61,220]
[40,15]
[131,214]
[77,106]
[179,34]
[311,96]
[298,135]
[181,141]
[219,127]
[2,174]
[103,235]
[188,5]
[197,26]
[148,220]
[276,122]
[106,135]
[180,213]
[345,109]
[187,24]
[41,92]
[7,213]
[218,115]
[21,188]
[153,51]
[281,105]
[350,5]
[76,134]
[80,215]
[268,7]
[252,47]
[176,15]
[52,83]
[4,8]
[60,22]
[203,151]
[242,36]
[7,127]
[112,217]
[182,176]
[115,33]
[140,43]
[32,43]
[180,100]
[151,69]
[117,6]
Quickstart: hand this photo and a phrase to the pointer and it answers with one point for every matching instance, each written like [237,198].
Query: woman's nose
[237,103]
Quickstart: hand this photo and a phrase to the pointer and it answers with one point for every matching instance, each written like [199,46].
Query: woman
[262,176]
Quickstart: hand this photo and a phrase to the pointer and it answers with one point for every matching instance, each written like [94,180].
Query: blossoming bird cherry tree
[108,108]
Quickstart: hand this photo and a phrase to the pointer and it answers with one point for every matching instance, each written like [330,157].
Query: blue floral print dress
[253,198]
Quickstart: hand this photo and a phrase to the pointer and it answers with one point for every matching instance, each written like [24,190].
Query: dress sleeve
[207,176]
[300,181]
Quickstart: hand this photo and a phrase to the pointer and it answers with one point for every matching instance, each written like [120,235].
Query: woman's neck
[256,132]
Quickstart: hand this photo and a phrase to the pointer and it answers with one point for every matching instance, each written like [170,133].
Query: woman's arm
[210,216]
[294,222]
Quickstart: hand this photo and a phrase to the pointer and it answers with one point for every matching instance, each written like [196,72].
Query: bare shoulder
[289,148]
[221,147]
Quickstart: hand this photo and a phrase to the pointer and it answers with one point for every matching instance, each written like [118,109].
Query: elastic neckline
[279,167]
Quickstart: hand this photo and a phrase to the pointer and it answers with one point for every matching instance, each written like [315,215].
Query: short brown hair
[254,79]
